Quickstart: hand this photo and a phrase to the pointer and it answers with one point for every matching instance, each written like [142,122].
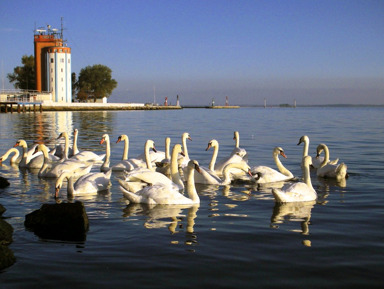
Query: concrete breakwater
[50,106]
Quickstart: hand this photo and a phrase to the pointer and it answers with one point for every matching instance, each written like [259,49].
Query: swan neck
[175,176]
[326,155]
[66,147]
[191,188]
[148,157]
[167,148]
[70,187]
[107,154]
[237,136]
[74,145]
[280,166]
[185,149]
[126,148]
[307,176]
[226,174]
[305,148]
[44,167]
[214,157]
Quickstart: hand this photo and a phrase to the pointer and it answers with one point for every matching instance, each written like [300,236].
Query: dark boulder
[3,183]
[6,255]
[64,221]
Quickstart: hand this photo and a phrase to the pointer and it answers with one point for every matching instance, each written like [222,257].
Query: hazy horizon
[317,52]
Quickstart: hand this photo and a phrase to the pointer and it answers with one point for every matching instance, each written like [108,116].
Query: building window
[62,60]
[51,70]
[62,79]
[69,61]
[61,70]
[51,60]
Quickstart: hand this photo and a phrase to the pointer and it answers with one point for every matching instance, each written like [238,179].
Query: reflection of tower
[53,64]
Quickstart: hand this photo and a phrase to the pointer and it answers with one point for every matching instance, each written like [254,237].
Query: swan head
[235,135]
[319,149]
[59,183]
[63,134]
[40,148]
[104,138]
[21,143]
[280,151]
[303,139]
[194,165]
[212,143]
[75,131]
[122,137]
[186,136]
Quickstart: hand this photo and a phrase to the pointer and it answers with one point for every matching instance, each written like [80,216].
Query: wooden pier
[10,106]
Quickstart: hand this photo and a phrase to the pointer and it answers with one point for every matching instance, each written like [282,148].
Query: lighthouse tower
[53,64]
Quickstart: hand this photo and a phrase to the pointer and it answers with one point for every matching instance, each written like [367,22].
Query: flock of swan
[169,177]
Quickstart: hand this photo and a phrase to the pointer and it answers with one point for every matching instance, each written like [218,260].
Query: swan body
[297,192]
[328,170]
[264,174]
[140,178]
[75,167]
[164,194]
[130,164]
[238,150]
[209,177]
[83,156]
[219,166]
[15,159]
[88,184]
[316,161]
[31,160]
[164,166]
[27,155]
[126,165]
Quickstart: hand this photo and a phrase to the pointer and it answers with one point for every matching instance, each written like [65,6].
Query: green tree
[24,76]
[95,82]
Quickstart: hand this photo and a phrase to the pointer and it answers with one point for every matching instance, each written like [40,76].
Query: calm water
[238,237]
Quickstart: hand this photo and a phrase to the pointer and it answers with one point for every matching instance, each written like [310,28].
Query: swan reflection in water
[293,212]
[161,216]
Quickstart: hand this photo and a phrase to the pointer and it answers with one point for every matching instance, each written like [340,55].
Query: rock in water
[64,221]
[3,183]
[6,255]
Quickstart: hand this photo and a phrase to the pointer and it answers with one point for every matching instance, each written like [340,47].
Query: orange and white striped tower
[53,64]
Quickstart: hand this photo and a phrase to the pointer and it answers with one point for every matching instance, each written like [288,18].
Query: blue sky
[317,52]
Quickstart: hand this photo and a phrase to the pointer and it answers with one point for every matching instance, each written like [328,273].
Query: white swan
[208,177]
[27,155]
[88,184]
[219,166]
[238,150]
[297,192]
[165,194]
[83,156]
[15,159]
[126,165]
[328,170]
[139,178]
[183,161]
[316,161]
[264,174]
[164,166]
[77,168]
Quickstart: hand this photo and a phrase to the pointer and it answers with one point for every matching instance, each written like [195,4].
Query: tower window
[51,60]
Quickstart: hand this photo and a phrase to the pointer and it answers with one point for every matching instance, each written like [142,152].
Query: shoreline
[51,106]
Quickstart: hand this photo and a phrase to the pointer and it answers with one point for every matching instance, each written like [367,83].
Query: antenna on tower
[62,29]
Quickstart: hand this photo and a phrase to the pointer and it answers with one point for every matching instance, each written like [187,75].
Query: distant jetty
[80,106]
